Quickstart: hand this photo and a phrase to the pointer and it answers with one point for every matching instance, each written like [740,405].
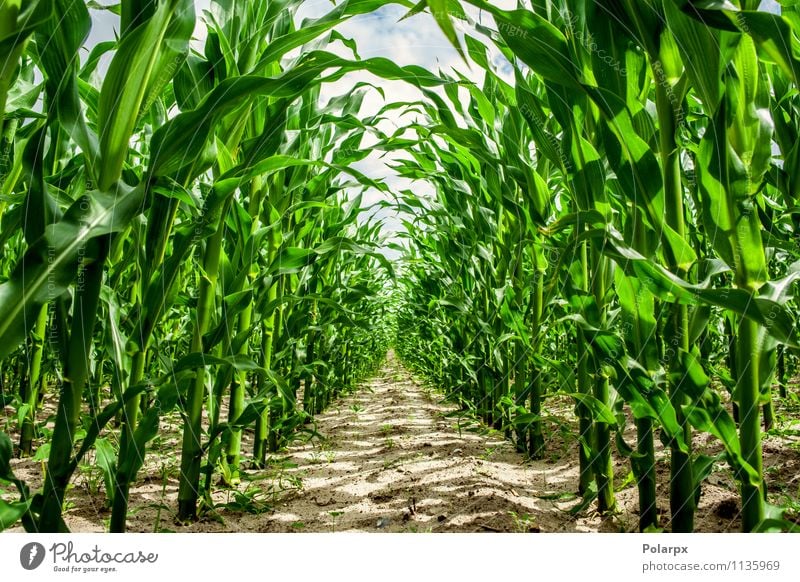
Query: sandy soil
[394,458]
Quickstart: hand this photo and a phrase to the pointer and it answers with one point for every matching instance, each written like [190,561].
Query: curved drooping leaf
[52,263]
[776,318]
[145,61]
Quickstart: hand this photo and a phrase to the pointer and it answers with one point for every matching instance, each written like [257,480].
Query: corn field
[599,240]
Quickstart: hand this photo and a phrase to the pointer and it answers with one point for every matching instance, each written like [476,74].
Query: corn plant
[171,192]
[638,136]
[613,222]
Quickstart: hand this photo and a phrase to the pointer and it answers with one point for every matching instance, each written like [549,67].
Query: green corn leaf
[52,263]
[61,39]
[775,317]
[600,410]
[138,66]
[729,214]
[11,513]
[106,460]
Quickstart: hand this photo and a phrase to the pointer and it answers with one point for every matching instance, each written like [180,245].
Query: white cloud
[413,41]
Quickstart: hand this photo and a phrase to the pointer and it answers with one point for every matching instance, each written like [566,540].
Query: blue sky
[416,40]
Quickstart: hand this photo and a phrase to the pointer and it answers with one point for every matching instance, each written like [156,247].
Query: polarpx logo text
[31,555]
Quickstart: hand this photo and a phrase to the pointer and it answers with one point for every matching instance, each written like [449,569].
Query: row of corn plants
[182,237]
[614,222]
[614,225]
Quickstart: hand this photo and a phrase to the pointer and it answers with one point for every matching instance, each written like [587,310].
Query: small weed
[523,523]
[165,473]
[252,500]
[489,452]
[628,481]
[334,515]
[93,477]
[389,463]
[324,454]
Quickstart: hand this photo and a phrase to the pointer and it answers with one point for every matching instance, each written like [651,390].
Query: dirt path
[394,458]
[393,461]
